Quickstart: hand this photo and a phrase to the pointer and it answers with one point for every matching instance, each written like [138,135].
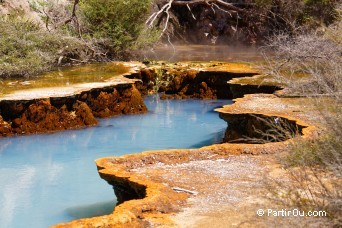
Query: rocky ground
[227,192]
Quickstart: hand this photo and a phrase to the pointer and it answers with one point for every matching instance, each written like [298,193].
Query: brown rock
[5,128]
[204,85]
[84,113]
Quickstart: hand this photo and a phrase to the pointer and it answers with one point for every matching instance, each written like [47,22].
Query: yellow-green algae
[98,72]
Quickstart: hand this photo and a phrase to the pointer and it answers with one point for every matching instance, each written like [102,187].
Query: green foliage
[26,50]
[263,2]
[319,11]
[119,22]
[289,15]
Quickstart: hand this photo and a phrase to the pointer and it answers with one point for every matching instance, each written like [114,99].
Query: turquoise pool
[52,178]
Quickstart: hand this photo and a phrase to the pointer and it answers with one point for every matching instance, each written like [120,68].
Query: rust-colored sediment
[227,177]
[254,84]
[54,109]
[61,113]
[203,80]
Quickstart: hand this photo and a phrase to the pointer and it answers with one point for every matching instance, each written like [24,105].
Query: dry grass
[314,166]
[315,56]
[272,129]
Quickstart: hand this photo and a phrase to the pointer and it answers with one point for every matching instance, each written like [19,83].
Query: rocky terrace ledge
[201,187]
[58,108]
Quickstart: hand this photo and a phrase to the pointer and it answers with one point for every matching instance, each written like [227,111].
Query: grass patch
[326,150]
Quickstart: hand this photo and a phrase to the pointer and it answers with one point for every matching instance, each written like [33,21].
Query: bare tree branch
[47,19]
[193,16]
[164,9]
[228,6]
[72,17]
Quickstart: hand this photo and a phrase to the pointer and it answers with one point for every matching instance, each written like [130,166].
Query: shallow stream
[52,178]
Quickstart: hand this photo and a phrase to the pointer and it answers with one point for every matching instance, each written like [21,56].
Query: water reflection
[204,53]
[16,191]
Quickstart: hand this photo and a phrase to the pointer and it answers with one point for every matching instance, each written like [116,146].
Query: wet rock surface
[246,110]
[203,85]
[5,128]
[256,128]
[122,99]
[148,77]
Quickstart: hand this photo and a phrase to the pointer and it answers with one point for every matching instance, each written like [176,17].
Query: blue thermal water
[52,178]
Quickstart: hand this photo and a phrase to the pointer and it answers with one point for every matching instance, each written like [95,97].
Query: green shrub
[26,50]
[293,16]
[320,11]
[119,24]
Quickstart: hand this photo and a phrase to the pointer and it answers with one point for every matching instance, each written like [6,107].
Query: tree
[118,23]
[165,8]
[246,20]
